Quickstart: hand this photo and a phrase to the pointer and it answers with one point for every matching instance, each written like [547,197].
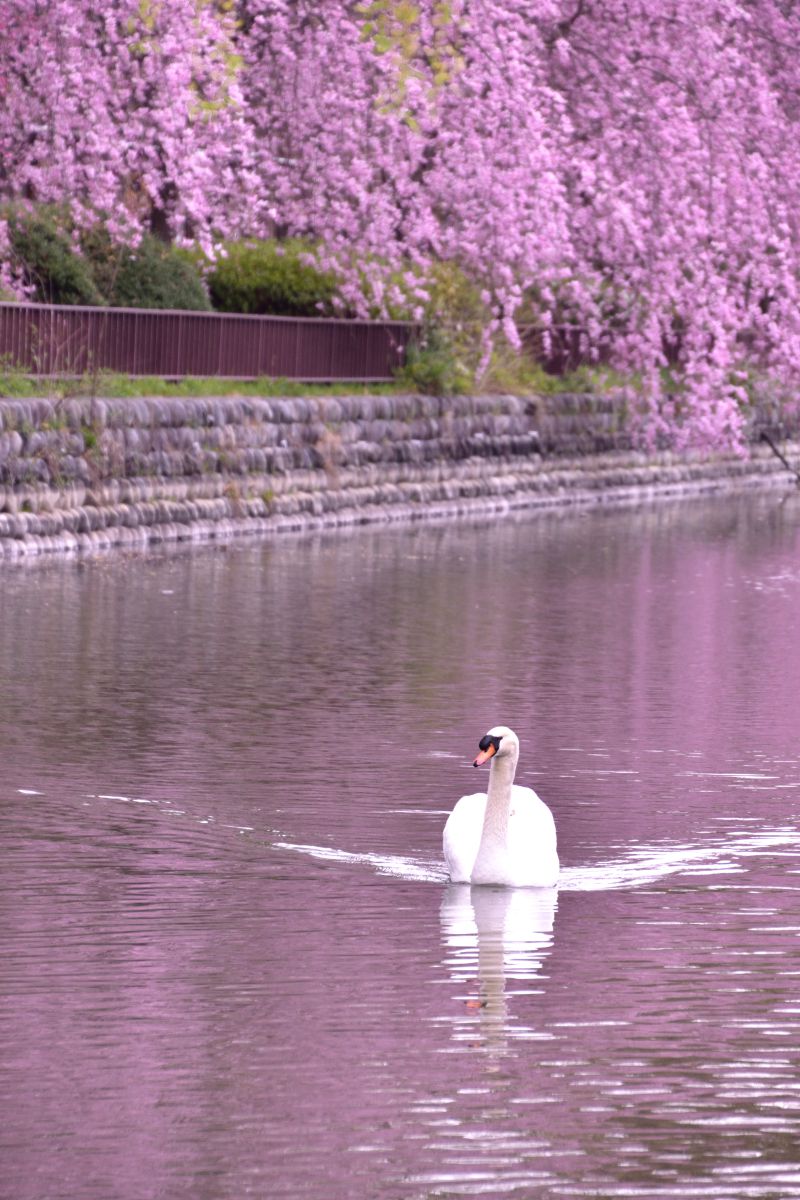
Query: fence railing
[563,348]
[49,339]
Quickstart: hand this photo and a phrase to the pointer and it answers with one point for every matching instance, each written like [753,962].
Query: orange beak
[484,756]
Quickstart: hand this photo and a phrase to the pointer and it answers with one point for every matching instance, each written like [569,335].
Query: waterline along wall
[86,473]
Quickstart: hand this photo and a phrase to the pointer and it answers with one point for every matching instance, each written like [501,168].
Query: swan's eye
[488,741]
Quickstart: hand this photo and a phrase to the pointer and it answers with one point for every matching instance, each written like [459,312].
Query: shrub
[46,261]
[433,366]
[270,277]
[446,357]
[58,270]
[149,275]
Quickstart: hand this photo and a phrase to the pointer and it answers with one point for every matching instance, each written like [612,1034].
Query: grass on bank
[18,385]
[521,378]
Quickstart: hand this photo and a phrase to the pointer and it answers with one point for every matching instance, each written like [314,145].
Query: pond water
[233,966]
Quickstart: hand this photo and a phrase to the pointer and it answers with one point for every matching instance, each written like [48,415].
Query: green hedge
[270,277]
[149,275]
[60,268]
[46,259]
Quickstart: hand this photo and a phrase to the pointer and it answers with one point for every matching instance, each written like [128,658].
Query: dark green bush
[43,253]
[270,277]
[149,275]
[98,271]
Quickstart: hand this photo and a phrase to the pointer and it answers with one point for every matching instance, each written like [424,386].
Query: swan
[507,835]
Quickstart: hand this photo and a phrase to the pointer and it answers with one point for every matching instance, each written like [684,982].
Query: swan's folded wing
[533,844]
[462,836]
[528,807]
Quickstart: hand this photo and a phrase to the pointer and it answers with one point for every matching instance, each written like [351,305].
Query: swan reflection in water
[494,937]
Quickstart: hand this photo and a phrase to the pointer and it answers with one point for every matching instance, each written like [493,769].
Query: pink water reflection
[232,965]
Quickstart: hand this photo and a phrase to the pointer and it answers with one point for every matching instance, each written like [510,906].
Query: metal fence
[49,339]
[564,348]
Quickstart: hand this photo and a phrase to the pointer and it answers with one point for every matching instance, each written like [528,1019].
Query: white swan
[506,836]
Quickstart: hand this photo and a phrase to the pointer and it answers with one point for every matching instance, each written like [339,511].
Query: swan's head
[500,742]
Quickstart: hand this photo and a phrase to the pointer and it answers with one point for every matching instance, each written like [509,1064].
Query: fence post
[179,354]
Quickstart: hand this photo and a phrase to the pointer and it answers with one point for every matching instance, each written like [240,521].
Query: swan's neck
[498,809]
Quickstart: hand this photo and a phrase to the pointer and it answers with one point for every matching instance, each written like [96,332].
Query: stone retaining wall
[78,474]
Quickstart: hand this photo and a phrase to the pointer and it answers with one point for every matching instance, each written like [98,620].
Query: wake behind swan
[638,866]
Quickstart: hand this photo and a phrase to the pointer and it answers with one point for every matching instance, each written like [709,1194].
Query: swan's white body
[505,836]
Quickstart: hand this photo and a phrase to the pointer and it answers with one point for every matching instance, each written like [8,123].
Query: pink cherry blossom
[627,167]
